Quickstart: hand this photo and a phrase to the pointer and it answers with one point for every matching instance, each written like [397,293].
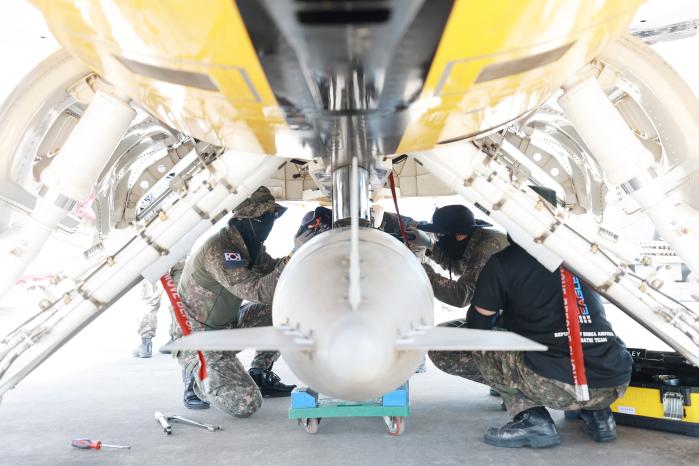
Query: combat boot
[190,399]
[599,424]
[269,383]
[145,349]
[530,428]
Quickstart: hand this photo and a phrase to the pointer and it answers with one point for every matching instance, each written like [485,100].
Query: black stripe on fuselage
[345,83]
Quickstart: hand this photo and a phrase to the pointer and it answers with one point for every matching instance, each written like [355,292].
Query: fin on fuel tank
[261,338]
[465,339]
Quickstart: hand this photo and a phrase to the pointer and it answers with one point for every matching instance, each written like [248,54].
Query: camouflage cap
[259,203]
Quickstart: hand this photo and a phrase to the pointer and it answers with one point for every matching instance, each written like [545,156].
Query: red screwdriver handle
[86,444]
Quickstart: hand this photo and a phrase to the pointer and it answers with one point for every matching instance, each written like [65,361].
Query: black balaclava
[452,248]
[254,232]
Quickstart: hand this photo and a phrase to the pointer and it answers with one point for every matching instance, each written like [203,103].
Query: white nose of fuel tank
[354,355]
[357,352]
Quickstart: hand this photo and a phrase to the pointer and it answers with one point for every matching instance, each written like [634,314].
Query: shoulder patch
[232,260]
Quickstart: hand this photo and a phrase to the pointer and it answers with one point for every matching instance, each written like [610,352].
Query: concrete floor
[94,388]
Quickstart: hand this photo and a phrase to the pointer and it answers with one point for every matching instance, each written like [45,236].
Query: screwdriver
[86,444]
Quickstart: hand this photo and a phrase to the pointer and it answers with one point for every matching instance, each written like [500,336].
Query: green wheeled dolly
[308,407]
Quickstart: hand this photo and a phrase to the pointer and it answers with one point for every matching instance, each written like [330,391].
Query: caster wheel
[310,424]
[395,425]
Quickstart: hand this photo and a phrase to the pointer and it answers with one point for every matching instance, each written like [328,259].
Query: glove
[303,238]
[419,238]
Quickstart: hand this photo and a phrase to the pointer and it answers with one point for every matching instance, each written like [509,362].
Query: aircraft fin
[260,338]
[465,339]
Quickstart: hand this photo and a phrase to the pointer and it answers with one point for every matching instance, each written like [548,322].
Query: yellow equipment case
[663,394]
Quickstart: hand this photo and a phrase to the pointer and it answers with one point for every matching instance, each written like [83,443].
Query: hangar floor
[94,388]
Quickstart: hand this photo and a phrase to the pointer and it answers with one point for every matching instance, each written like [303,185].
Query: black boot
[599,424]
[530,428]
[190,399]
[269,383]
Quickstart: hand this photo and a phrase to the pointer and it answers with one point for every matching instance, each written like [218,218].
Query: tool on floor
[86,444]
[164,421]
[183,420]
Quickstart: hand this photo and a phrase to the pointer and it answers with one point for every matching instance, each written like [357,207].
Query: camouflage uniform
[520,387]
[150,296]
[482,244]
[215,281]
[231,389]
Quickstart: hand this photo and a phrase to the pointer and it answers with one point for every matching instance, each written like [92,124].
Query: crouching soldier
[531,300]
[464,244]
[229,267]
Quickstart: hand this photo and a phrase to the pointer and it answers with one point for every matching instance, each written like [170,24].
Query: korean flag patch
[232,260]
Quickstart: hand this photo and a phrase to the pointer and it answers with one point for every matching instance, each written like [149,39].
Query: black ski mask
[254,232]
[452,248]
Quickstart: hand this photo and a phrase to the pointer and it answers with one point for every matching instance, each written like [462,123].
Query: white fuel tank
[355,355]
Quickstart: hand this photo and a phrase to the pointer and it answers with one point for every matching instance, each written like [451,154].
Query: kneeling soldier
[229,267]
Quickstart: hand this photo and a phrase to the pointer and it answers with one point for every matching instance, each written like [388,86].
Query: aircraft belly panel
[457,102]
[147,49]
[195,66]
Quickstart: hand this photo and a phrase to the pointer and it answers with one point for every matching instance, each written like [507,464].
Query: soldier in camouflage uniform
[151,294]
[531,300]
[148,324]
[232,266]
[463,247]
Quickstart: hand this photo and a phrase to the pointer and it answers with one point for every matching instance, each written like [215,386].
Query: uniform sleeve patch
[232,260]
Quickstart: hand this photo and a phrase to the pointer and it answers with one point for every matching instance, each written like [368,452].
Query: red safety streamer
[577,359]
[392,184]
[182,320]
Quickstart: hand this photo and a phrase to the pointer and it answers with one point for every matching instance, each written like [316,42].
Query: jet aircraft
[159,117]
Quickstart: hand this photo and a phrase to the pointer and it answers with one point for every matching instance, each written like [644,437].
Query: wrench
[162,420]
[184,420]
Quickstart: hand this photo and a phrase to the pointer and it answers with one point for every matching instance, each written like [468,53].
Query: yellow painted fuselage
[279,80]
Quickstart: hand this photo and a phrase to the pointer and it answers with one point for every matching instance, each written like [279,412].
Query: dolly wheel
[395,425]
[311,424]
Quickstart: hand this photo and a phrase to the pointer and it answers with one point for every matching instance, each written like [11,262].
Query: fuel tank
[355,354]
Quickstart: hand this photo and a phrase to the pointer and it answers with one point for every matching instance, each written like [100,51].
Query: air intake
[342,12]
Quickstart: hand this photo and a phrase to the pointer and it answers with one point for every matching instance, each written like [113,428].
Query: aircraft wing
[466,339]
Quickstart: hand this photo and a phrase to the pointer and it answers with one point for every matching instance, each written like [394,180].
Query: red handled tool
[86,444]
[577,361]
[392,184]
[181,318]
